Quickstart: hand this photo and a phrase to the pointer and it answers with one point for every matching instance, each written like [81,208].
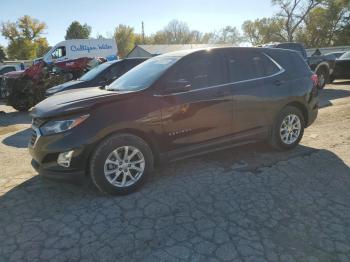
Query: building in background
[154,50]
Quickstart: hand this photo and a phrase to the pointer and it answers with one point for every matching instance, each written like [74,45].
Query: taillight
[314,80]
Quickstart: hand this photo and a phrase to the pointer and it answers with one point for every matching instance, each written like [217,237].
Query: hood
[65,86]
[14,74]
[77,100]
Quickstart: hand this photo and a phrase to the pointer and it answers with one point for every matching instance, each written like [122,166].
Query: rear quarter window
[293,63]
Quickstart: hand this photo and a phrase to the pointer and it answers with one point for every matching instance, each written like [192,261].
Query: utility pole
[143,33]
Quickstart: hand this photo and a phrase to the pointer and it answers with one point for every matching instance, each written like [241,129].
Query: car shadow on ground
[19,139]
[179,204]
[328,94]
[252,156]
[14,118]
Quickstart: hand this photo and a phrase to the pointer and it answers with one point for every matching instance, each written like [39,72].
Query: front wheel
[121,164]
[288,128]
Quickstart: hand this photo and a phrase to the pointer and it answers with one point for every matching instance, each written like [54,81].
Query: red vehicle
[26,88]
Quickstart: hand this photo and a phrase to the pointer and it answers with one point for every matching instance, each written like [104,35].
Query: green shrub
[25,93]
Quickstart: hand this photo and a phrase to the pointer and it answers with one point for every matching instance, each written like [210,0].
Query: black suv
[101,75]
[173,106]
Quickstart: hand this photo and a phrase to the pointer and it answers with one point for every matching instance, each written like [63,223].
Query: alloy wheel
[124,166]
[290,129]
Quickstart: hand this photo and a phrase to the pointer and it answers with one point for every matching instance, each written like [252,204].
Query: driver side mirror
[178,86]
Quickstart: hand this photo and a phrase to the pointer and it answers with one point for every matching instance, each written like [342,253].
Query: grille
[33,137]
[36,123]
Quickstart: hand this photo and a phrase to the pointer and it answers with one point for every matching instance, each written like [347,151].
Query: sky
[104,15]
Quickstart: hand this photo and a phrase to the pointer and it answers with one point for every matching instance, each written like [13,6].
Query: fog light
[65,158]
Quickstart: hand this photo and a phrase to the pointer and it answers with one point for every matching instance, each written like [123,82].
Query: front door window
[59,52]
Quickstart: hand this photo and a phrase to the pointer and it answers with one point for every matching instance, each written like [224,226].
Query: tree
[314,22]
[78,31]
[342,36]
[139,39]
[159,38]
[227,35]
[196,37]
[208,38]
[262,31]
[24,35]
[125,38]
[293,13]
[177,32]
[42,46]
[2,54]
[323,23]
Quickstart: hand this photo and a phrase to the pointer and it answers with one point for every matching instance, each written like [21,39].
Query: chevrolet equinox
[173,106]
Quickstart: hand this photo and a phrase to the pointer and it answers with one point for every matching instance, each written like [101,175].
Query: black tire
[22,106]
[323,76]
[104,149]
[275,138]
[21,94]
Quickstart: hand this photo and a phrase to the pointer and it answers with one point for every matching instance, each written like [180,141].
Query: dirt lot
[244,204]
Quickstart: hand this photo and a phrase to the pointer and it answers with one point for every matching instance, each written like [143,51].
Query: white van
[76,48]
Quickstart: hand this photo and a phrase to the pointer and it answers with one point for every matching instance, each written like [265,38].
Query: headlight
[54,127]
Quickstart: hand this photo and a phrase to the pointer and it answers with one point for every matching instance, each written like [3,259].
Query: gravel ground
[243,204]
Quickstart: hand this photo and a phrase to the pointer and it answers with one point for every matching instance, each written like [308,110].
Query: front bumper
[45,150]
[56,173]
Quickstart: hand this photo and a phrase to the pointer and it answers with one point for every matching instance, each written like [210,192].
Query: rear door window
[246,65]
[200,70]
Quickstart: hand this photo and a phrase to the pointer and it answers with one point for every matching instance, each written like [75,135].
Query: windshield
[143,75]
[93,73]
[345,56]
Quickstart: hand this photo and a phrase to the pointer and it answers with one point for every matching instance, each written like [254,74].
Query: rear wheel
[288,128]
[323,77]
[121,164]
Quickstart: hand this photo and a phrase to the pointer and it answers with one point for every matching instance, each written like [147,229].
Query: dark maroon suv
[173,106]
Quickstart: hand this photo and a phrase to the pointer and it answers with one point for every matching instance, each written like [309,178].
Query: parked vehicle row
[8,68]
[65,61]
[4,70]
[336,54]
[170,107]
[77,48]
[342,67]
[101,75]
